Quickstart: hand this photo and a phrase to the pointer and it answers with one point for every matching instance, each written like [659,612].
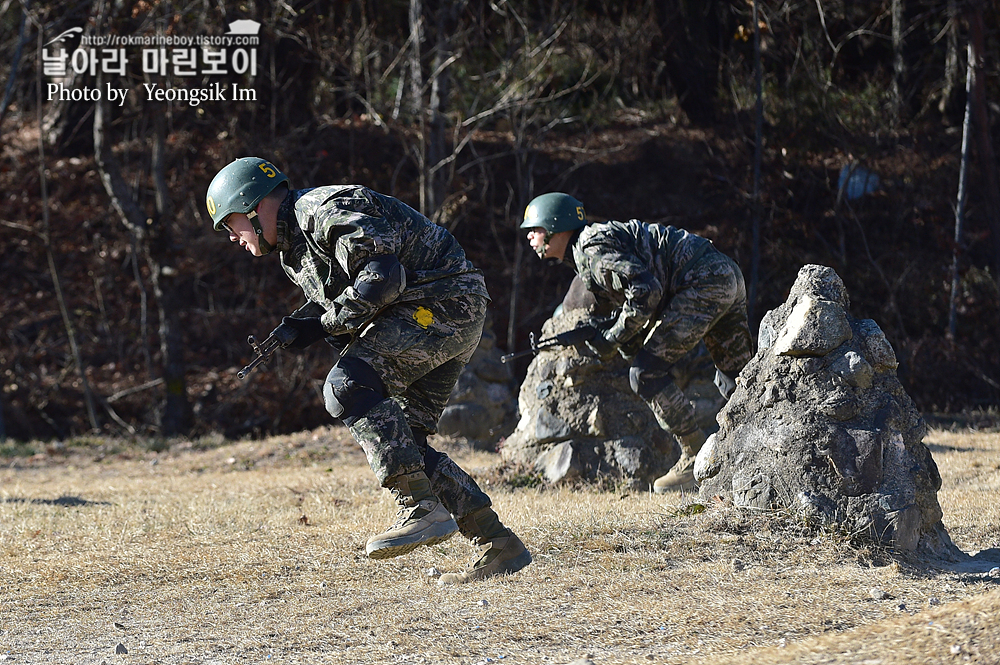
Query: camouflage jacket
[635,267]
[326,235]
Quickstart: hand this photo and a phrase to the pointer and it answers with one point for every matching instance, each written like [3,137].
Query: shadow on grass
[944,448]
[63,501]
[983,561]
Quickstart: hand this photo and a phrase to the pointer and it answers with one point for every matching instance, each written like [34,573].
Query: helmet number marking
[268,169]
[211,205]
[579,213]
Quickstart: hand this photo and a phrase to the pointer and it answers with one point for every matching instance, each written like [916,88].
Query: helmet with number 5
[239,187]
[554,212]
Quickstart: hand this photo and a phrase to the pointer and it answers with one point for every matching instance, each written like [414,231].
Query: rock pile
[580,420]
[820,424]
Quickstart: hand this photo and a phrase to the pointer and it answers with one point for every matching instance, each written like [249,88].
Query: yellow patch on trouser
[423,316]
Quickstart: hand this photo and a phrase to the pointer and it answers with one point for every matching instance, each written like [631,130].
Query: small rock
[877,594]
[995,571]
[737,565]
[933,602]
[121,648]
[432,572]
[484,603]
[956,649]
[901,607]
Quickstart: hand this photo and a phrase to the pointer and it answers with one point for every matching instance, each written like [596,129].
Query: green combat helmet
[554,212]
[239,187]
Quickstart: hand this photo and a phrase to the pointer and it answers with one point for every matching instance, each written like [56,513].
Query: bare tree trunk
[950,58]
[155,243]
[65,121]
[437,151]
[515,287]
[417,109]
[431,151]
[524,173]
[416,17]
[47,237]
[176,415]
[22,39]
[981,122]
[898,64]
[963,179]
[757,157]
[690,31]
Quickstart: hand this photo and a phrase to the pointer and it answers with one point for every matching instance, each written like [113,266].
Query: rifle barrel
[517,354]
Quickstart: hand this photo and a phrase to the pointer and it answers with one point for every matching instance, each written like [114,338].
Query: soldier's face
[241,231]
[536,238]
[548,246]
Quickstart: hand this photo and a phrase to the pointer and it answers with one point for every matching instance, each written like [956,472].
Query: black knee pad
[352,388]
[648,375]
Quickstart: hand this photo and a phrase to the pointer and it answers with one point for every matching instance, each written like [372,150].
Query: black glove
[307,331]
[602,346]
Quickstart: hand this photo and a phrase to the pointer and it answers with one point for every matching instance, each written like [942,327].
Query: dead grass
[253,552]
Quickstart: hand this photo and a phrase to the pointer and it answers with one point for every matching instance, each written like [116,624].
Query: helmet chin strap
[264,245]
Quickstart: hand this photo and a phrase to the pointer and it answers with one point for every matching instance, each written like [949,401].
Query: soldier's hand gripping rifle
[577,335]
[280,337]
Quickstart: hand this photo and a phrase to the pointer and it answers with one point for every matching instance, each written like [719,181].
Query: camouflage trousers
[711,304]
[419,350]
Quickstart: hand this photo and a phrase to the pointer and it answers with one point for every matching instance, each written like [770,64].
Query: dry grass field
[214,552]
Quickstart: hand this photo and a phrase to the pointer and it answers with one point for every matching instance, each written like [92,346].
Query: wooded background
[755,125]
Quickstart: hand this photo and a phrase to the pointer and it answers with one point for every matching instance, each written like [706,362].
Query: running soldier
[671,289]
[397,293]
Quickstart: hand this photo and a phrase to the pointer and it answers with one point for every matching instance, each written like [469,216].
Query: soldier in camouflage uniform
[670,288]
[397,293]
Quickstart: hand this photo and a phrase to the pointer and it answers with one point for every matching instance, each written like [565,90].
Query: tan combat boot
[681,476]
[500,551]
[421,519]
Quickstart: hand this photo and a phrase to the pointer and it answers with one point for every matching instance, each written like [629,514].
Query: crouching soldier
[398,291]
[671,289]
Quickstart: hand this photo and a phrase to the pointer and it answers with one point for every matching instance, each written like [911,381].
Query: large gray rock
[820,424]
[580,420]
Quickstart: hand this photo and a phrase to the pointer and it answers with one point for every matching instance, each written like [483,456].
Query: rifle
[263,351]
[569,338]
[279,337]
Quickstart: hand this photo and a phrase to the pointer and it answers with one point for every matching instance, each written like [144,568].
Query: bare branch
[131,214]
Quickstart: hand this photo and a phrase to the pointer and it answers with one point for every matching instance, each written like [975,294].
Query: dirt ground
[215,552]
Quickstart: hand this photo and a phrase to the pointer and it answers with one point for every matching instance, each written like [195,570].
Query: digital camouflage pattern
[672,288]
[419,350]
[327,235]
[418,345]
